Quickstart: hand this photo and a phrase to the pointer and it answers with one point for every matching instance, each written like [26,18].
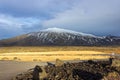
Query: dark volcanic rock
[88,70]
[36,72]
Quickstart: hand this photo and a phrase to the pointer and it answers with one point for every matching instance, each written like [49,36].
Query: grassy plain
[108,49]
[51,53]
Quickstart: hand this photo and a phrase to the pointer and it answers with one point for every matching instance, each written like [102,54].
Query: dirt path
[9,69]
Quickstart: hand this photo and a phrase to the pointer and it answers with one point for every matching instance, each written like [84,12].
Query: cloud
[13,26]
[36,8]
[99,17]
[23,16]
[93,16]
[8,21]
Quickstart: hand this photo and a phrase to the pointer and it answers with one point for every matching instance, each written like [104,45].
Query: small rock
[59,62]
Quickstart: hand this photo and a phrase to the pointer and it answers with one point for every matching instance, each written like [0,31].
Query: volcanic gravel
[86,70]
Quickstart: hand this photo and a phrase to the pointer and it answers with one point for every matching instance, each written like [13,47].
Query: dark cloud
[36,8]
[99,17]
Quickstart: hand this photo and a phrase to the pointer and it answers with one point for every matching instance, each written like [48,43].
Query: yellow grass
[52,56]
[54,53]
[115,49]
[47,53]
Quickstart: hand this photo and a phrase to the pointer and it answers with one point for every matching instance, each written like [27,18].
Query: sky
[98,17]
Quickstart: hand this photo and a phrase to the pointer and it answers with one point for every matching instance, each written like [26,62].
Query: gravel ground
[9,69]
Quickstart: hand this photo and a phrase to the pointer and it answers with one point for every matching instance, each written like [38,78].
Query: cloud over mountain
[100,17]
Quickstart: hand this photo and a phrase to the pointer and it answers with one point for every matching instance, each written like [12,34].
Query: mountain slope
[60,37]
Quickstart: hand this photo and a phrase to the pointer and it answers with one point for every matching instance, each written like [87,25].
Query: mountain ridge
[60,37]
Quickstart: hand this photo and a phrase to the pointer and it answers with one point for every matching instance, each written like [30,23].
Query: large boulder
[36,72]
[43,74]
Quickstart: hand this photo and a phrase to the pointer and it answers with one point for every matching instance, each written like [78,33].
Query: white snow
[59,30]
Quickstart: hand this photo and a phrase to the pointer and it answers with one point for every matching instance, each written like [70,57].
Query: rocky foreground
[82,70]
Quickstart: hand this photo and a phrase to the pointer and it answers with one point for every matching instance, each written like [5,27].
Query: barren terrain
[15,60]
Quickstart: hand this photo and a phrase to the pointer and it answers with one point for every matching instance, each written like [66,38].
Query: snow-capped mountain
[57,36]
[58,30]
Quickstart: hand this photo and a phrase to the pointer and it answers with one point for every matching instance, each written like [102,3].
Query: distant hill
[60,37]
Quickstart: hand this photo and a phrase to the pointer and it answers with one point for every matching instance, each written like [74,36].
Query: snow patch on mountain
[59,30]
[57,36]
